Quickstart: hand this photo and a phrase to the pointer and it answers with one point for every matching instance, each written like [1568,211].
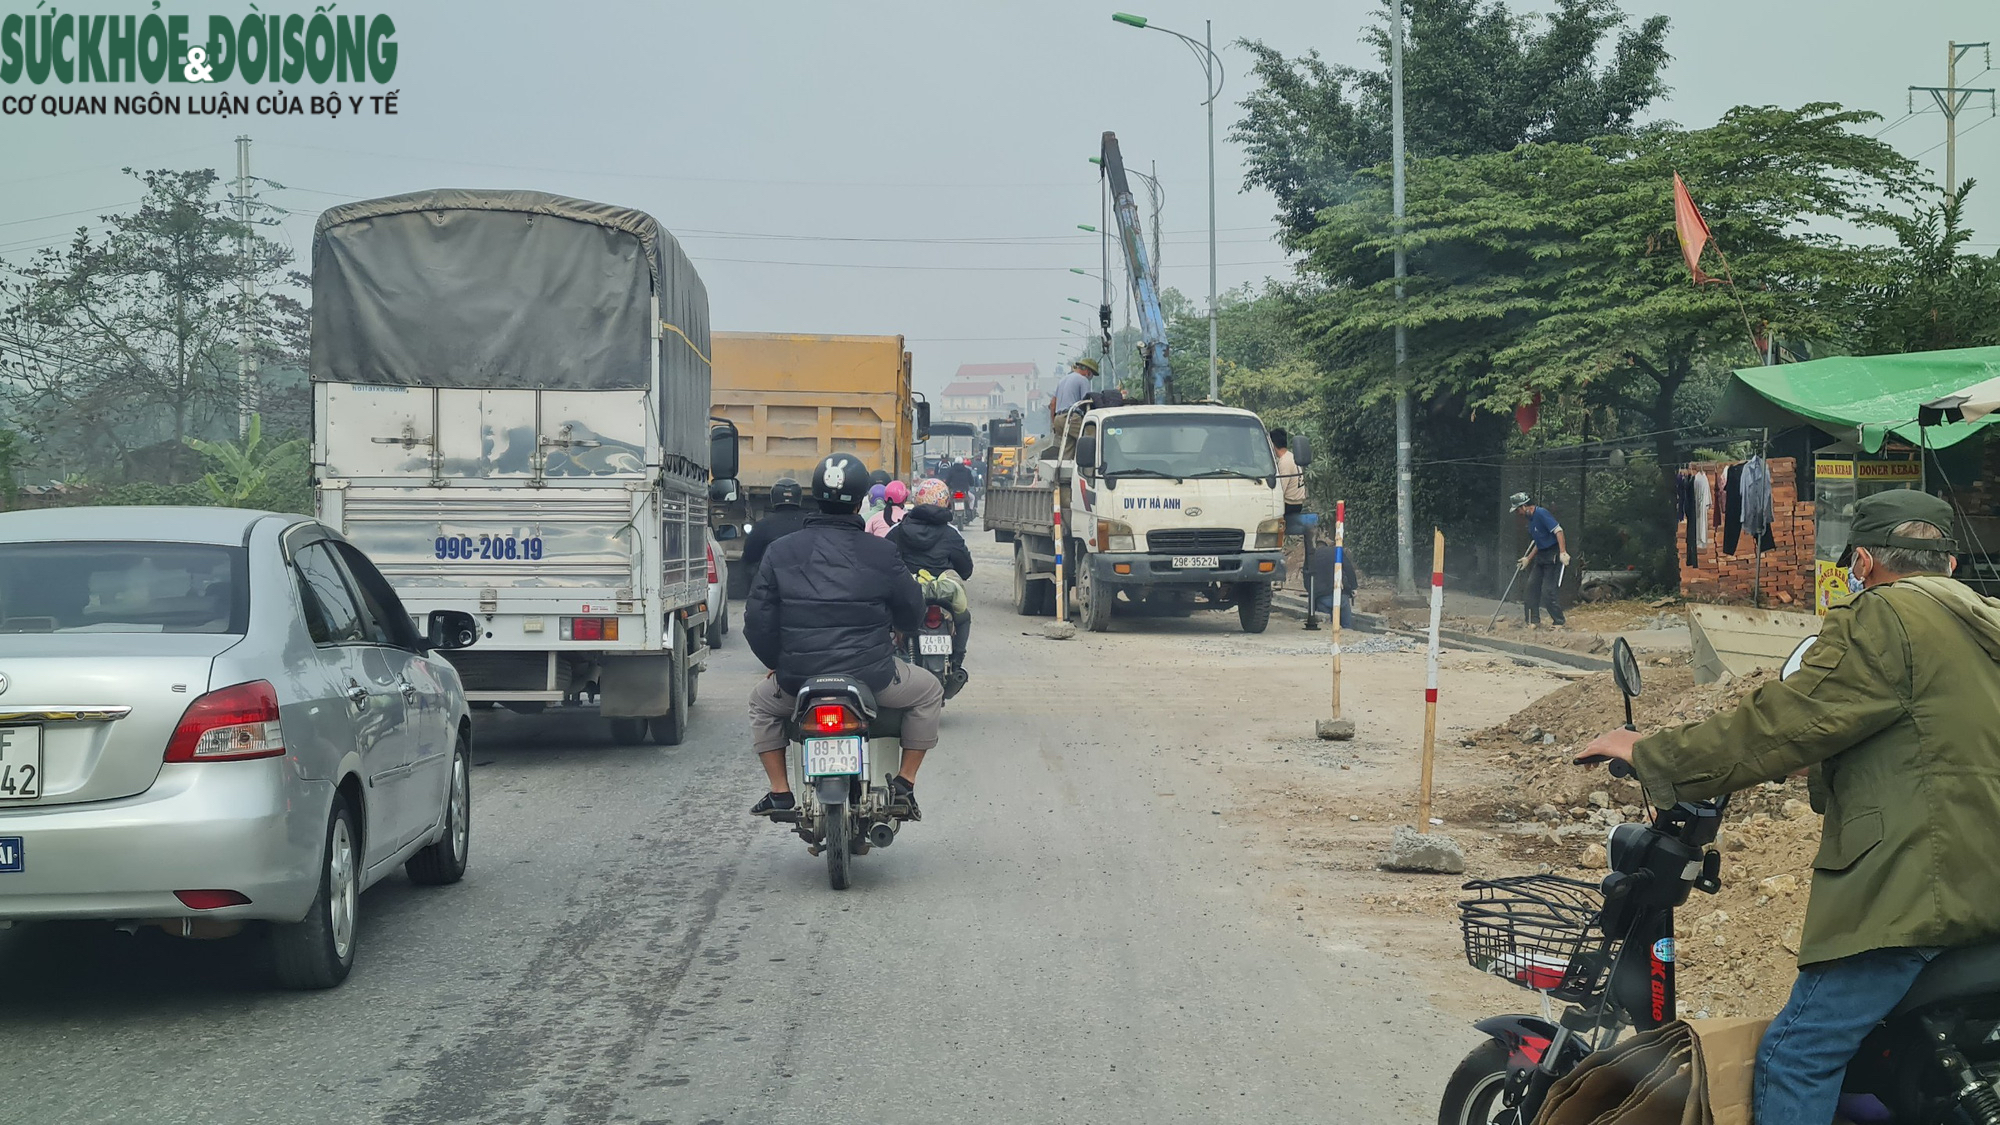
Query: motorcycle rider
[926,540]
[1896,710]
[959,479]
[823,603]
[785,517]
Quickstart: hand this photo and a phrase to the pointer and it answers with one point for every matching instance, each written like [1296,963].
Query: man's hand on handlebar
[1613,745]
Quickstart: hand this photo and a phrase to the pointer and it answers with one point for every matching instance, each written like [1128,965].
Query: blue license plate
[12,854]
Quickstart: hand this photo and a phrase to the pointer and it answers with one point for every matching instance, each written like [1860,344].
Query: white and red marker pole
[1062,592]
[1431,680]
[1339,542]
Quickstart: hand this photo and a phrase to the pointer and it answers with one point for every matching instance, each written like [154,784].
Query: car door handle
[409,691]
[357,695]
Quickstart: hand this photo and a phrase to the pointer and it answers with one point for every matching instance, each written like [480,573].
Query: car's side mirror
[721,491]
[726,532]
[1302,450]
[722,442]
[450,629]
[1086,452]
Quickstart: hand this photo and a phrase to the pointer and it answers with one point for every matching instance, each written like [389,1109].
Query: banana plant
[242,468]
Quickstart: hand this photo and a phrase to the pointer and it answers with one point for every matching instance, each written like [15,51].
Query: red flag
[1693,231]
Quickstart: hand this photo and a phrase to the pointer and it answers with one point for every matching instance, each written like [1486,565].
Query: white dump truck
[511,416]
[1166,506]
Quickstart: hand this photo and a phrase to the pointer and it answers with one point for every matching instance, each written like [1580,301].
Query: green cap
[1517,501]
[1877,517]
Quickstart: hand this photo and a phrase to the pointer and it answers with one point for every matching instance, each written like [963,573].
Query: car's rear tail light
[590,628]
[933,617]
[229,725]
[211,900]
[833,718]
[712,578]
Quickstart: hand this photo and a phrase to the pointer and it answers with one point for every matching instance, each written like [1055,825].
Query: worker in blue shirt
[1545,562]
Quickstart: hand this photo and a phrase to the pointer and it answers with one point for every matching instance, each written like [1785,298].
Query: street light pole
[1211,69]
[1406,580]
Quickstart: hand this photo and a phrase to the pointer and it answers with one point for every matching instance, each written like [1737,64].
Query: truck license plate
[20,763]
[934,644]
[1196,562]
[832,757]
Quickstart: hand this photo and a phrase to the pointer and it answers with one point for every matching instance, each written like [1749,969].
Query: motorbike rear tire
[1472,1096]
[838,838]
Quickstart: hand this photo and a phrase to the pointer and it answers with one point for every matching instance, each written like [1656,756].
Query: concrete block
[1334,730]
[1058,630]
[1431,852]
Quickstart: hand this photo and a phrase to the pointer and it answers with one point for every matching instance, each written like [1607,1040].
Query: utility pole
[1951,98]
[1208,43]
[246,386]
[1406,581]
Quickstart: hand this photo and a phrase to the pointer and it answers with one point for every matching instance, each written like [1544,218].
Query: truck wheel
[1094,600]
[671,728]
[1253,605]
[1029,596]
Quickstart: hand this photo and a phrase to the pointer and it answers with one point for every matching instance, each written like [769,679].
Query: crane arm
[1152,322]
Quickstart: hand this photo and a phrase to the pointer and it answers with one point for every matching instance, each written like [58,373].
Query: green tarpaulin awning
[1863,399]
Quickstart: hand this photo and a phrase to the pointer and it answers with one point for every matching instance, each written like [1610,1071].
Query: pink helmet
[897,492]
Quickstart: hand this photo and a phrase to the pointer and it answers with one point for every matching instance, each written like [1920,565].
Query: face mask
[1854,584]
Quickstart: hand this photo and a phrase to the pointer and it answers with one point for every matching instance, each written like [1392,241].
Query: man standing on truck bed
[1071,389]
[823,604]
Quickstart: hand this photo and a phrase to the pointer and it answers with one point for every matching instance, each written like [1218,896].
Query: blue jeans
[1346,609]
[1834,1005]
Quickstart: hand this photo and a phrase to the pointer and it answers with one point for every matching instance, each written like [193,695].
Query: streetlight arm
[1211,63]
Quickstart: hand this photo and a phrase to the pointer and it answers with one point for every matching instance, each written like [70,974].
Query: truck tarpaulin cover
[511,290]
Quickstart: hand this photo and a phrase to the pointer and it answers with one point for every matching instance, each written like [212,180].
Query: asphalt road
[1073,934]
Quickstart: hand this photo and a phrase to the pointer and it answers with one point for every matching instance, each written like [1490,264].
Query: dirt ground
[1508,793]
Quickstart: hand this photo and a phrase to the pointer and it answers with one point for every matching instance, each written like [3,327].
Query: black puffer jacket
[927,541]
[824,600]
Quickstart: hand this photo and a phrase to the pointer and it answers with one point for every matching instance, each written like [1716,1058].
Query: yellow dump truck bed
[796,398]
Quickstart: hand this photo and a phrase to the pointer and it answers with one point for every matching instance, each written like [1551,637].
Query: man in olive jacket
[1896,712]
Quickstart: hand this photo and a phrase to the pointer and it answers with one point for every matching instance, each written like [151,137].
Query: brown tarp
[511,289]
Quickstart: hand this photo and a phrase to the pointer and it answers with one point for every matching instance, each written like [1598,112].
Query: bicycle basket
[1531,930]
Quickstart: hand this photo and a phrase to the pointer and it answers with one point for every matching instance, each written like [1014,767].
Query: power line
[956,269]
[67,214]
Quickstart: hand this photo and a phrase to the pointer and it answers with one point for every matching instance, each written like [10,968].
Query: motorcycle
[932,647]
[1606,952]
[838,739]
[961,509]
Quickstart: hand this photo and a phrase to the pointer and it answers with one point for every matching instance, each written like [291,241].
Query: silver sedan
[211,718]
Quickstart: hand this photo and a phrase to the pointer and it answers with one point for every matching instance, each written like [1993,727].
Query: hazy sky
[878,166]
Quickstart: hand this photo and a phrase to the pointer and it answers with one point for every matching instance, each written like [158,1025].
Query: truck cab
[1159,503]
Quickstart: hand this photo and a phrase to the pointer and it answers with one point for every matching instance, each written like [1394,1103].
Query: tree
[1477,78]
[244,470]
[121,340]
[1925,294]
[1555,267]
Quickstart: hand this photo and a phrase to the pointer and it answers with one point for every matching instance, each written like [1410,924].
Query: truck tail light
[834,718]
[712,578]
[229,725]
[590,628]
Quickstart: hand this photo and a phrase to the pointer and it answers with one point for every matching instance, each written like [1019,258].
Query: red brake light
[933,617]
[229,725]
[711,565]
[211,900]
[958,496]
[590,628]
[831,718]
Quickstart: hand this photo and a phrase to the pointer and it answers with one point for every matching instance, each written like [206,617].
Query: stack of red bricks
[1786,575]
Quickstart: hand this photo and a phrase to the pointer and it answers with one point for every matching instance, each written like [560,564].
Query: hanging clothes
[1732,510]
[1717,482]
[1757,502]
[1684,500]
[1703,498]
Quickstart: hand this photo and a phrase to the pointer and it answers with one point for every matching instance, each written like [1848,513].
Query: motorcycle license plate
[934,645]
[1196,562]
[833,757]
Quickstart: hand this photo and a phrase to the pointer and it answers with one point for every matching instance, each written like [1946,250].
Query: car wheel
[715,631]
[318,950]
[444,861]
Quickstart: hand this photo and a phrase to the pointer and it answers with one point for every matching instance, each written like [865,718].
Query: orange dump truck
[796,398]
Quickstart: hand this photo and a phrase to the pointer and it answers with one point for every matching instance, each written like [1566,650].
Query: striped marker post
[1062,592]
[1431,679]
[1339,542]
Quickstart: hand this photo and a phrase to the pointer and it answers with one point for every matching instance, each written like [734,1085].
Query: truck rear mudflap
[1140,569]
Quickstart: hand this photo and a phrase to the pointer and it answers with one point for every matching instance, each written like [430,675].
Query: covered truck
[511,416]
[796,398]
[1167,505]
